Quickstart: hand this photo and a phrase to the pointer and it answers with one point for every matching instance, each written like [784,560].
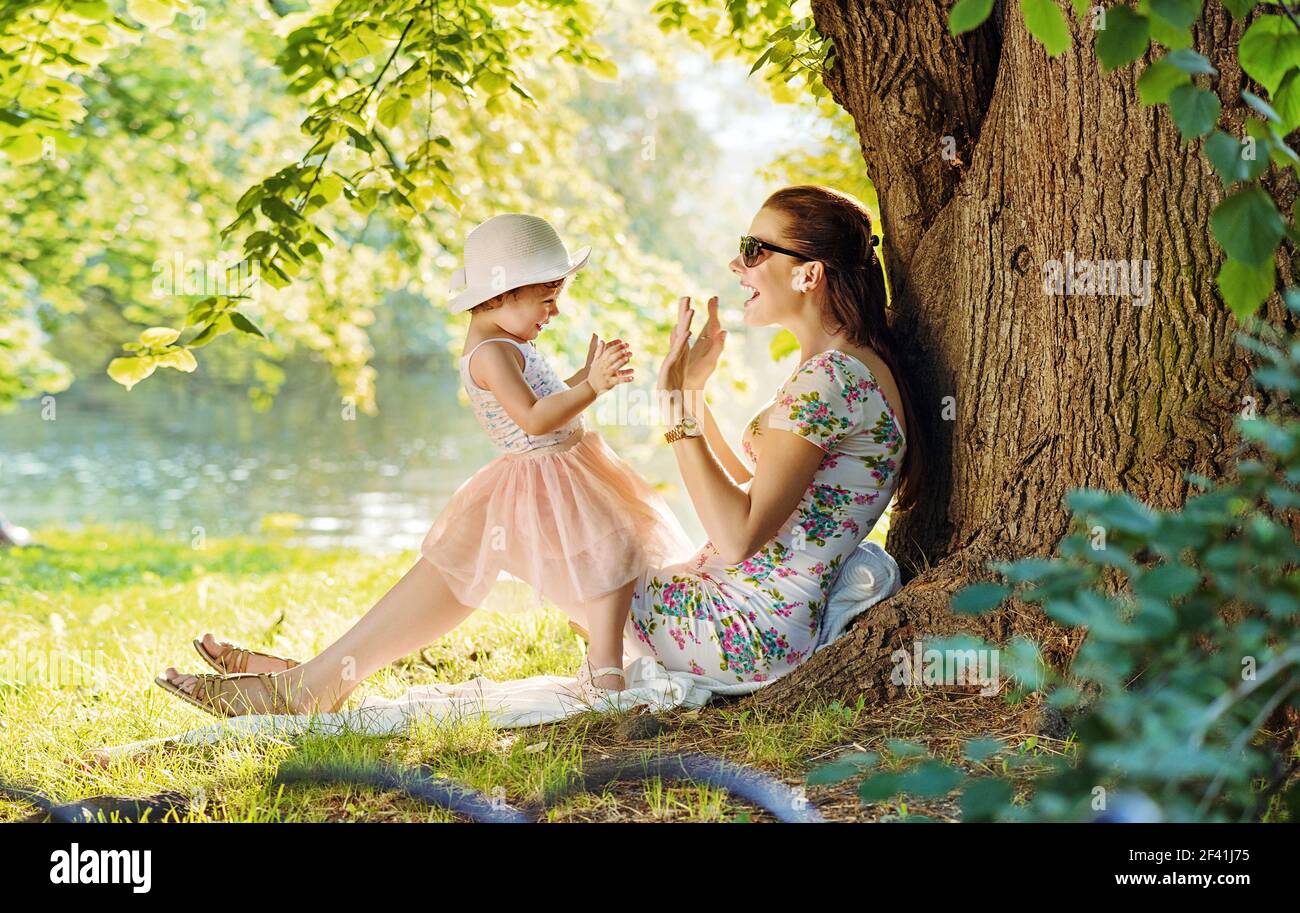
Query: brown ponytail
[830,226]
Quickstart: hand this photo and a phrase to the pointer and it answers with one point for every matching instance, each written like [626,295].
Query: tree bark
[1024,395]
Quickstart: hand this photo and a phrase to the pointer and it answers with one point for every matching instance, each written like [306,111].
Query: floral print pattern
[758,619]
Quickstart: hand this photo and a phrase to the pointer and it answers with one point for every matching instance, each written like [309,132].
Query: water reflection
[189,456]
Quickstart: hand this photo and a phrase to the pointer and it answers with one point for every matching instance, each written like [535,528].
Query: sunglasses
[751,250]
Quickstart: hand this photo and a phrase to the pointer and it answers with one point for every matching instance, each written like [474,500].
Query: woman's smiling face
[768,282]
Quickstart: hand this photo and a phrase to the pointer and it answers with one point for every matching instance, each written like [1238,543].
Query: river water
[187,457]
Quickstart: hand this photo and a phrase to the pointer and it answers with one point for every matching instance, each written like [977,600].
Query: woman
[820,460]
[820,464]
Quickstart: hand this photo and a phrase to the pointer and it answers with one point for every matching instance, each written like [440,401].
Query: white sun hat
[508,251]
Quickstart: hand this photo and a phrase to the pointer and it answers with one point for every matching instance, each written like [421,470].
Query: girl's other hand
[607,366]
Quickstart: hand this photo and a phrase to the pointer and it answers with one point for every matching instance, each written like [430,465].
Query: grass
[91,616]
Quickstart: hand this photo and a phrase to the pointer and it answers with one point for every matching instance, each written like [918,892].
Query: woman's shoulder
[831,373]
[838,390]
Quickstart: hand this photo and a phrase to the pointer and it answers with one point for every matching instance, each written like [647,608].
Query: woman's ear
[807,277]
[815,274]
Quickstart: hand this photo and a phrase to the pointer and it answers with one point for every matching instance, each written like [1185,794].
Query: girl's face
[526,310]
[772,300]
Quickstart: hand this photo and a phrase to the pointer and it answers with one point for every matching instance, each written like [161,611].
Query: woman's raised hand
[606,367]
[672,373]
[703,356]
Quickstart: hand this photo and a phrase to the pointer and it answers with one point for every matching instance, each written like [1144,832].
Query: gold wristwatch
[687,427]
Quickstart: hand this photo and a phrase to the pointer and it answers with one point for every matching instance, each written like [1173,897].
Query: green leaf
[1286,101]
[903,749]
[1046,22]
[1124,38]
[181,359]
[131,370]
[967,15]
[1270,47]
[1262,106]
[1168,581]
[979,597]
[1278,150]
[157,337]
[931,779]
[1194,110]
[1229,157]
[1245,287]
[1240,9]
[1248,226]
[210,332]
[842,768]
[984,799]
[1024,570]
[1178,13]
[1160,79]
[980,750]
[879,788]
[602,69]
[22,149]
[1191,62]
[393,110]
[243,323]
[1169,36]
[151,13]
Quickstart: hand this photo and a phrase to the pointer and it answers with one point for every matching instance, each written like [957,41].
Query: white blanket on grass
[869,576]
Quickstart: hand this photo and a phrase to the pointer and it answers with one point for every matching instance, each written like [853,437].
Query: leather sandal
[235,659]
[207,693]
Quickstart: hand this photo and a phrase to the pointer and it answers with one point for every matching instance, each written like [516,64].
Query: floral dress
[756,620]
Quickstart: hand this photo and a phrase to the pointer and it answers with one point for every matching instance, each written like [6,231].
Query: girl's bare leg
[418,610]
[604,620]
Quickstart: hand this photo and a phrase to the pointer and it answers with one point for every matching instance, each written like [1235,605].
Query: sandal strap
[238,659]
[279,705]
[235,659]
[208,692]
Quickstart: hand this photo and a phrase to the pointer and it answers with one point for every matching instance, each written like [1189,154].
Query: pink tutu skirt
[573,520]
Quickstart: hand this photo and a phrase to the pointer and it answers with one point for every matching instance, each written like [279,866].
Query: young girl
[558,509]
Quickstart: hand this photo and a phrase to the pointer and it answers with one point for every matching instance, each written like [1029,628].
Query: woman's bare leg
[605,619]
[418,610]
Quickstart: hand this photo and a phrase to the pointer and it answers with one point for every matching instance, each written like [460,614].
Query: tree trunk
[1024,395]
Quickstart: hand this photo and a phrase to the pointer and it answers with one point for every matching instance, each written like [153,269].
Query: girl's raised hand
[607,369]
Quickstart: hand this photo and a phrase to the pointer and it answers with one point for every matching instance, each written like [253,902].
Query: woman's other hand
[702,359]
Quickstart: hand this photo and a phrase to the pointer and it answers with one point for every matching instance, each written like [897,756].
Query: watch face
[690,425]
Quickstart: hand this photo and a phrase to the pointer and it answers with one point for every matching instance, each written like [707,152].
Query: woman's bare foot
[219,648]
[244,695]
